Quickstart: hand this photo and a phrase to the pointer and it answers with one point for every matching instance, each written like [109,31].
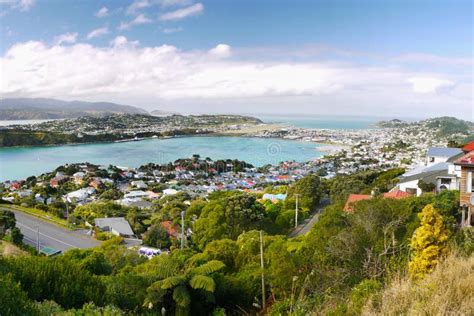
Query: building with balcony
[466,165]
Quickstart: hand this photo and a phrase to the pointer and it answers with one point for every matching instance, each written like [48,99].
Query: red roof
[467,159]
[171,229]
[396,195]
[354,198]
[468,147]
[359,197]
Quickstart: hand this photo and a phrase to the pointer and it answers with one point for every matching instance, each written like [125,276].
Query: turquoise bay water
[19,163]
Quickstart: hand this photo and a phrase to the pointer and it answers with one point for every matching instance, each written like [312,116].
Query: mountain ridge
[49,108]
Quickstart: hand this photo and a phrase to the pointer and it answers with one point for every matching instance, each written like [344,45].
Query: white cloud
[221,51]
[22,5]
[103,12]
[127,72]
[428,84]
[122,41]
[67,38]
[172,30]
[138,5]
[98,32]
[171,3]
[179,14]
[139,19]
[434,59]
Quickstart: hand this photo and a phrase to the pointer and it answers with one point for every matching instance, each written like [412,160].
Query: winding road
[306,225]
[50,235]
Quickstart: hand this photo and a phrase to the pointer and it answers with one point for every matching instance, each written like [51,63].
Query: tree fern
[172,282]
[202,282]
[209,267]
[181,296]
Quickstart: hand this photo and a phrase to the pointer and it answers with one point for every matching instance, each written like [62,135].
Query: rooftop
[443,152]
[397,194]
[118,224]
[466,160]
[468,147]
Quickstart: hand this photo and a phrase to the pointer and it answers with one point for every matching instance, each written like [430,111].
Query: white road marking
[41,234]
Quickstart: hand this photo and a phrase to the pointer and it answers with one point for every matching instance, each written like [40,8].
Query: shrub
[429,243]
[449,290]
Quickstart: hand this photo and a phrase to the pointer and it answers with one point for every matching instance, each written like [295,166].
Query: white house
[80,195]
[135,194]
[440,154]
[169,192]
[140,184]
[116,225]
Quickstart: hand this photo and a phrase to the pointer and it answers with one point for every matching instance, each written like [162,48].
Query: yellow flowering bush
[429,243]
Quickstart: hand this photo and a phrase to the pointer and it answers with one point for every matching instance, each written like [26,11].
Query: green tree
[181,282]
[13,300]
[310,191]
[17,236]
[228,217]
[429,243]
[7,221]
[111,194]
[156,236]
[426,186]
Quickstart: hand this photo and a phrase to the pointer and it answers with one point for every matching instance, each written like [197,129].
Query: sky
[392,58]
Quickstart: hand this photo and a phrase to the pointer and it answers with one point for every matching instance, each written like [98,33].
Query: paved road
[306,225]
[50,235]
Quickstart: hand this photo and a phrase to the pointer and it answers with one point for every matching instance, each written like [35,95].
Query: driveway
[50,235]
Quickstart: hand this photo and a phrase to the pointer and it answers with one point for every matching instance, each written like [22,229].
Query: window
[469,182]
[445,181]
[472,183]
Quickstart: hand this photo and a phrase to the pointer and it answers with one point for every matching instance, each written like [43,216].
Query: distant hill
[42,108]
[444,126]
[450,125]
[392,123]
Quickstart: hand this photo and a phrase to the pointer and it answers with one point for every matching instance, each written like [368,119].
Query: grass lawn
[8,249]
[39,213]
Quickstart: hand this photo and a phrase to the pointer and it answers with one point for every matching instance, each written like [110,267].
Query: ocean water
[21,162]
[321,121]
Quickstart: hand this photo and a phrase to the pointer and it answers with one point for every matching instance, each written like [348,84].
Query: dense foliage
[345,260]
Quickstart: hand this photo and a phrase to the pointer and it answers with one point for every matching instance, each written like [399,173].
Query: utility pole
[263,273]
[296,210]
[182,229]
[38,239]
[67,211]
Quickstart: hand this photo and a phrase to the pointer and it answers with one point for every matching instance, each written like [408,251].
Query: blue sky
[424,46]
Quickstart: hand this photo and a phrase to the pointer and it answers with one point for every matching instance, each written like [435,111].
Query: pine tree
[429,243]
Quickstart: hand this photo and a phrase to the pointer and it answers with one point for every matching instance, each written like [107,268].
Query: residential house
[466,164]
[353,198]
[78,177]
[135,194]
[436,155]
[115,225]
[96,183]
[57,180]
[173,230]
[274,197]
[140,184]
[439,170]
[81,195]
[169,192]
[136,202]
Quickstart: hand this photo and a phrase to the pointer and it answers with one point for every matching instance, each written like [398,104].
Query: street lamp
[182,229]
[296,210]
